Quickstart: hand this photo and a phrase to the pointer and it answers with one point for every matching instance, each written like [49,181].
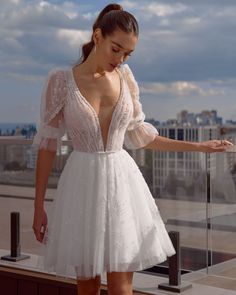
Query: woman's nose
[120,59]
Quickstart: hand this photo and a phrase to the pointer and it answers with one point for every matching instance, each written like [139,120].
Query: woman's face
[114,49]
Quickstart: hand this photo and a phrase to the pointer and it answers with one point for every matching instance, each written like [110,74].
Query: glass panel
[17,182]
[178,183]
[222,238]
[179,186]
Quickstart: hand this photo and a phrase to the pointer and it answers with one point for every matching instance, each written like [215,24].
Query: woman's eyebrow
[121,46]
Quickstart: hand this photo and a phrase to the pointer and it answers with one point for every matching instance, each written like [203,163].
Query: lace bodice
[64,110]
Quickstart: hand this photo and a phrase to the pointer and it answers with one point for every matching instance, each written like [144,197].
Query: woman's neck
[90,66]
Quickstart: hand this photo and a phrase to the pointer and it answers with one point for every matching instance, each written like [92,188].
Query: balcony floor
[217,284]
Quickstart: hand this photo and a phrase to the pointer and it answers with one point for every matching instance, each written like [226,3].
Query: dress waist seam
[99,152]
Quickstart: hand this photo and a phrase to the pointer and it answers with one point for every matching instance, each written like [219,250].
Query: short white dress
[103,217]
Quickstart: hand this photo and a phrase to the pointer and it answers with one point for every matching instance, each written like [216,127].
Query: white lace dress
[104,217]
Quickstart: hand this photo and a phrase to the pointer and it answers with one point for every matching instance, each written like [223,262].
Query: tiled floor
[149,285]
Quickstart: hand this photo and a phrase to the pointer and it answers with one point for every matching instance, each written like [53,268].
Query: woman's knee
[120,290]
[120,283]
[89,287]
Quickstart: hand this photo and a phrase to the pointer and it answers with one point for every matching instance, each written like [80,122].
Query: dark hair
[109,19]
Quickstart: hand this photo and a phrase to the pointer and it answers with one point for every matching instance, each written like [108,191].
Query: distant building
[183,174]
[31,157]
[171,169]
[15,152]
[230,122]
[3,156]
[139,156]
[205,118]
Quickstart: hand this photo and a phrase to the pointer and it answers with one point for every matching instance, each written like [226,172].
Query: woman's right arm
[47,140]
[43,168]
[45,160]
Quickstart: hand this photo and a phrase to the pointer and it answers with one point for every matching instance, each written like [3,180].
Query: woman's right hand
[40,223]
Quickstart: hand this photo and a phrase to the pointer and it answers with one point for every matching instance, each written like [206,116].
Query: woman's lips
[113,66]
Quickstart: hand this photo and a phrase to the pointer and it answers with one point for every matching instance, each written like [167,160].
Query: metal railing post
[15,240]
[175,284]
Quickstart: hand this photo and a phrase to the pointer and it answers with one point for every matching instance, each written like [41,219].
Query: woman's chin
[111,68]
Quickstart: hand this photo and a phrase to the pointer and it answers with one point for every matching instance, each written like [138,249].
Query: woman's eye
[115,50]
[126,55]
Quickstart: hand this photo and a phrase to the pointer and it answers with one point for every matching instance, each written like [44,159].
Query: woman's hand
[40,223]
[162,143]
[213,146]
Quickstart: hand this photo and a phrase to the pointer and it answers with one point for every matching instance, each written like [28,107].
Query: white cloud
[226,12]
[182,44]
[128,4]
[44,4]
[73,37]
[70,9]
[192,21]
[164,10]
[10,2]
[179,89]
[35,35]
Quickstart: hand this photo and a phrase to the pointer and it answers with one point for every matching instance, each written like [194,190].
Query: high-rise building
[204,118]
[179,169]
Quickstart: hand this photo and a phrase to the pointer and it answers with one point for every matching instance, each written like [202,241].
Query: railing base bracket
[12,258]
[175,289]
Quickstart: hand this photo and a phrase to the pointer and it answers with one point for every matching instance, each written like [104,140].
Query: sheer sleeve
[139,133]
[52,125]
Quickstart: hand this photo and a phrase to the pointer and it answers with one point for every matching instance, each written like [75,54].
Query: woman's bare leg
[120,283]
[89,287]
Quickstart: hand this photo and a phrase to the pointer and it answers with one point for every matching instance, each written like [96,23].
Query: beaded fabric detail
[65,110]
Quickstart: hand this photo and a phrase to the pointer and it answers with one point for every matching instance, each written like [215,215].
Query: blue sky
[185,57]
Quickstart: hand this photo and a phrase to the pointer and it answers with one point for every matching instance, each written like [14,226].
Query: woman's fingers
[216,146]
[40,224]
[226,142]
[222,142]
[39,234]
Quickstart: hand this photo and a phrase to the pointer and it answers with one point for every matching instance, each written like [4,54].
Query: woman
[104,217]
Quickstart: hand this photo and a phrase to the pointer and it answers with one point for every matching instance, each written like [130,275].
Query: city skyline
[184,58]
[217,120]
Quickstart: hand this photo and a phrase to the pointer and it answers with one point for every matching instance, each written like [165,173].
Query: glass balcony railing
[195,193]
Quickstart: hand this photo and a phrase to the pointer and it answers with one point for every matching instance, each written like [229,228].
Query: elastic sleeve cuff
[48,138]
[140,136]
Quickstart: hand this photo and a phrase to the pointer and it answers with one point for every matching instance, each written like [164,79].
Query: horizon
[147,118]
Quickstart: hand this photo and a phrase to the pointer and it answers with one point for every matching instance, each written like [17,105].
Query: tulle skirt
[103,219]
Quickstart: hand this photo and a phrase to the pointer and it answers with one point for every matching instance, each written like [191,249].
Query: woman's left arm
[141,134]
[166,144]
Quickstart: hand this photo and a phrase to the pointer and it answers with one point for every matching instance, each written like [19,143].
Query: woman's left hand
[213,146]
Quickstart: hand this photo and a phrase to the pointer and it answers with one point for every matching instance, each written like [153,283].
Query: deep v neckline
[104,145]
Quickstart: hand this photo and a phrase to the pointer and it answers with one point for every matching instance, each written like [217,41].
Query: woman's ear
[97,36]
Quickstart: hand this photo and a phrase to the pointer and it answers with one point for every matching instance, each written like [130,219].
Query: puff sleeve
[138,133]
[52,125]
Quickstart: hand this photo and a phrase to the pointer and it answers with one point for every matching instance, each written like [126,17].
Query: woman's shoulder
[57,82]
[126,70]
[58,73]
